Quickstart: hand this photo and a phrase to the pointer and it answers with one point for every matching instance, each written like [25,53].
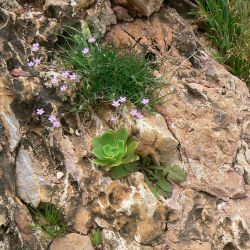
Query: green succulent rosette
[113,149]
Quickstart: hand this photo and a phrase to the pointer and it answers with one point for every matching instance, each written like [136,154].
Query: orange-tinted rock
[140,7]
[72,241]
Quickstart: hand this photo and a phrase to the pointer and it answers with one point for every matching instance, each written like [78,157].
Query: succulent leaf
[96,142]
[98,153]
[122,134]
[107,150]
[108,138]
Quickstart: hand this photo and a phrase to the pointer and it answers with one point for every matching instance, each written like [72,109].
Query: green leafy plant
[96,238]
[113,149]
[159,178]
[49,219]
[124,170]
[108,73]
[227,25]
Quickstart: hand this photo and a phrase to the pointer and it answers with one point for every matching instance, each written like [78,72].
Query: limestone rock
[202,217]
[120,203]
[100,18]
[156,140]
[122,14]
[52,8]
[140,7]
[83,220]
[72,241]
[30,183]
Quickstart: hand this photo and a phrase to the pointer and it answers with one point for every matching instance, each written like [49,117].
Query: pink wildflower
[85,51]
[92,40]
[63,88]
[122,99]
[145,101]
[116,103]
[133,112]
[65,74]
[35,47]
[114,118]
[54,81]
[52,118]
[37,61]
[139,115]
[56,124]
[31,64]
[73,77]
[40,111]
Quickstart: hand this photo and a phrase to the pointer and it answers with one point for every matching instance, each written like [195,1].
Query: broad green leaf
[122,134]
[165,194]
[120,146]
[107,150]
[151,187]
[176,174]
[162,182]
[123,170]
[119,172]
[132,147]
[130,158]
[98,153]
[101,162]
[165,186]
[132,167]
[108,138]
[96,142]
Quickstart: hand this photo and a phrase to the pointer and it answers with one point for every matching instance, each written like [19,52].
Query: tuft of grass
[49,219]
[108,73]
[96,238]
[227,25]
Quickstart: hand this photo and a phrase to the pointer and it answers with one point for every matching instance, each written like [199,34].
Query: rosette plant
[113,149]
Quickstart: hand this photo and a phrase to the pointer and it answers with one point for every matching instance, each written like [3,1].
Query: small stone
[71,131]
[78,132]
[59,175]
[72,241]
[19,72]
[82,220]
[122,14]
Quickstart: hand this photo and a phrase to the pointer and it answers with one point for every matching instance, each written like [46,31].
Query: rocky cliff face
[204,126]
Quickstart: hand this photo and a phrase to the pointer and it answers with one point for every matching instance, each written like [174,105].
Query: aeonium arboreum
[113,149]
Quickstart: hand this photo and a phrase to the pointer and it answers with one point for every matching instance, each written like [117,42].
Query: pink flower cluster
[54,121]
[117,103]
[136,114]
[52,118]
[92,40]
[34,48]
[62,82]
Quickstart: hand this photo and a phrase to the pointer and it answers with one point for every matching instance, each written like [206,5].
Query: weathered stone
[30,183]
[82,220]
[72,241]
[102,22]
[121,203]
[122,14]
[150,34]
[207,224]
[140,7]
[156,140]
[9,121]
[52,8]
